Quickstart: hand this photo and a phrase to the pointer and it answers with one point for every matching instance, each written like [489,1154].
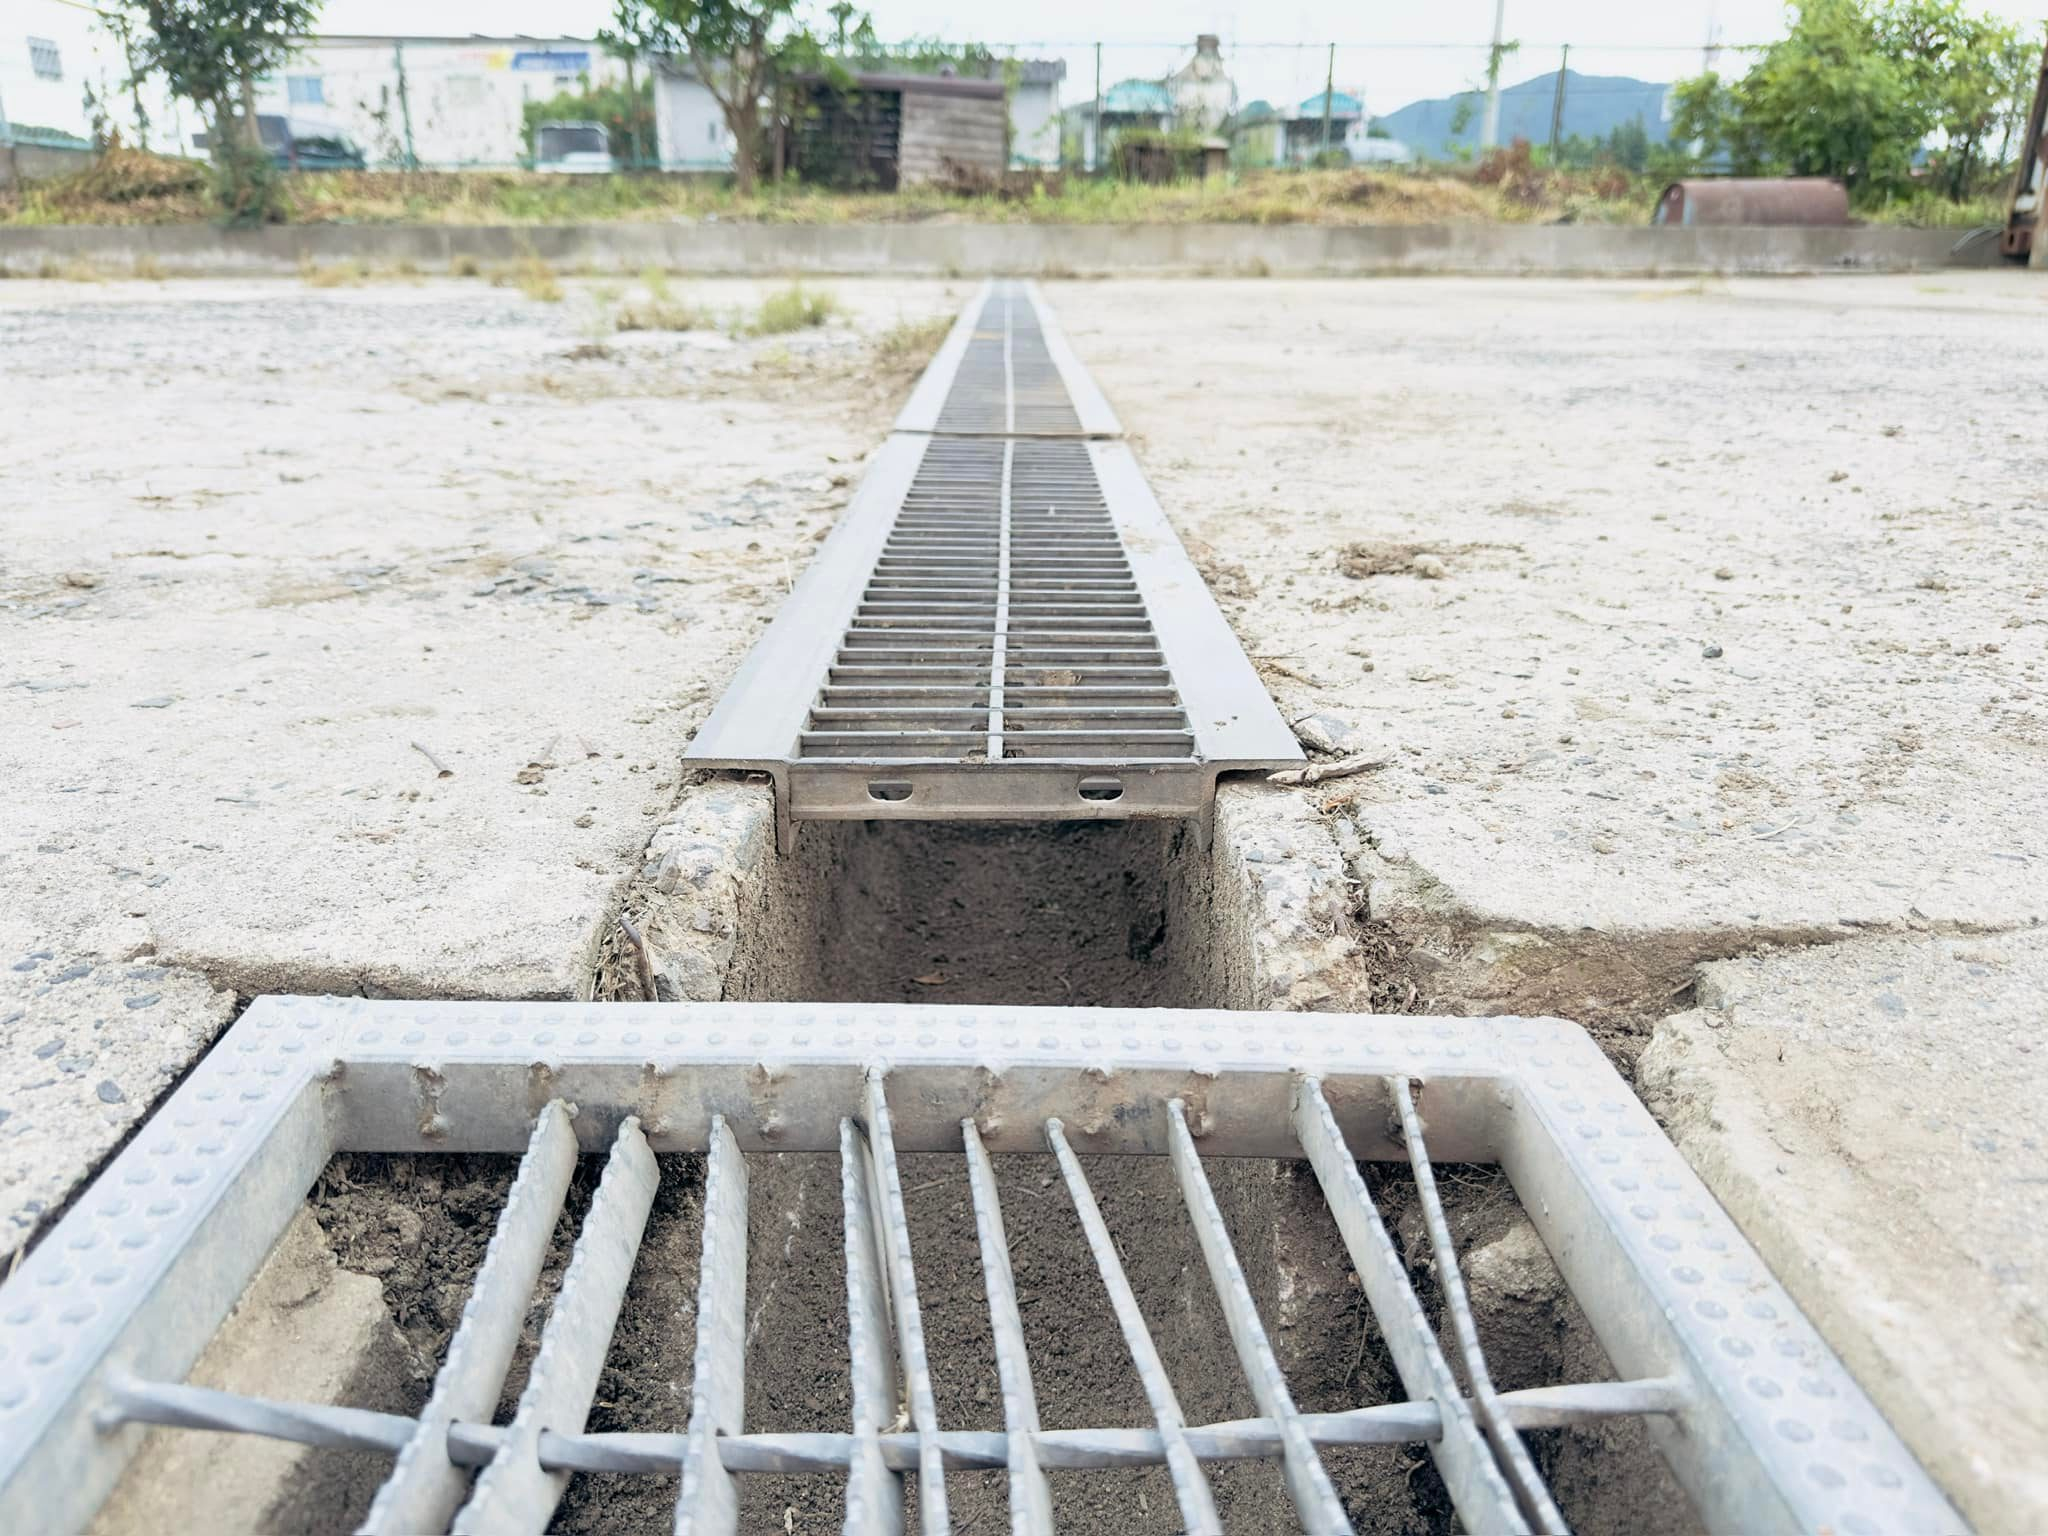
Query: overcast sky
[1390,54]
[1389,58]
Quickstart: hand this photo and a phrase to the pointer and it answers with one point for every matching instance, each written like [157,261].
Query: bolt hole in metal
[1100,787]
[888,789]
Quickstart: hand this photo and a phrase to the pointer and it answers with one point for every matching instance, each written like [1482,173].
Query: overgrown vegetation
[150,190]
[1858,86]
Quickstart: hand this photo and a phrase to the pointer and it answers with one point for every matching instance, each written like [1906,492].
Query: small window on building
[305,90]
[44,59]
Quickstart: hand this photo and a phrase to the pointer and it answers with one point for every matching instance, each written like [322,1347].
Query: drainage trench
[990,914]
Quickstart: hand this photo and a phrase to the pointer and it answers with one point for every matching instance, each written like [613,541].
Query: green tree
[1829,100]
[743,50]
[212,52]
[1855,89]
[1972,75]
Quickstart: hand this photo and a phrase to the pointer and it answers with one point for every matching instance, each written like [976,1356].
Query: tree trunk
[746,132]
[252,132]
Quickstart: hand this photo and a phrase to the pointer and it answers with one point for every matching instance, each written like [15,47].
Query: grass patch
[794,308]
[464,266]
[662,310]
[333,274]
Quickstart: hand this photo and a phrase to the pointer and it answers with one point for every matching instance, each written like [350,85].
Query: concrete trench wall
[953,250]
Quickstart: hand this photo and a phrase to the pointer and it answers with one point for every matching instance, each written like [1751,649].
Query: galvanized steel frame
[759,721]
[99,1326]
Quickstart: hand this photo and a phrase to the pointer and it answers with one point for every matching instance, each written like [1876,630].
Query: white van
[577,149]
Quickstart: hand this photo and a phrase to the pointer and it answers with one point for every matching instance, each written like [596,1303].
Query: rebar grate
[1003,625]
[1761,1424]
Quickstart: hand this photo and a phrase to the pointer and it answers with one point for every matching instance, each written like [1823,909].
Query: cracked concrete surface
[1697,620]
[282,556]
[1872,1114]
[1713,608]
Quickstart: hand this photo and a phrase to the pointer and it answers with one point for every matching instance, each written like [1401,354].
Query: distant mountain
[1594,106]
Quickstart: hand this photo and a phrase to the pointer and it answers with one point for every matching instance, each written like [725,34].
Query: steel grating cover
[1003,624]
[99,1326]
[1006,369]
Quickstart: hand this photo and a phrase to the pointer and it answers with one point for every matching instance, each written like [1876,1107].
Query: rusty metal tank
[1754,200]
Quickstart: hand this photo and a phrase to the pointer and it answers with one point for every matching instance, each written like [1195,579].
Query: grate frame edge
[297,1079]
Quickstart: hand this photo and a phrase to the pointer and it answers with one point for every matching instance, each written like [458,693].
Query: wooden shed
[890,131]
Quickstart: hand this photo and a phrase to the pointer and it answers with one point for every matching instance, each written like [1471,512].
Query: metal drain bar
[1759,1421]
[1001,626]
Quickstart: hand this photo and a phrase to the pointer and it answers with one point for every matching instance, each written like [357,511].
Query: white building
[51,54]
[445,102]
[464,96]
[689,124]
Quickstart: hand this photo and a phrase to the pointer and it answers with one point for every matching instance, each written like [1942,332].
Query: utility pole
[633,116]
[1095,139]
[1557,104]
[1329,87]
[412,161]
[1490,133]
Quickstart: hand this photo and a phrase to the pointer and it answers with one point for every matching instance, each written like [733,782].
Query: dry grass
[333,274]
[660,315]
[129,187]
[531,276]
[75,270]
[911,343]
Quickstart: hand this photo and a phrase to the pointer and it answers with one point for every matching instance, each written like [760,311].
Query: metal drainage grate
[1001,621]
[1760,1423]
[1001,626]
[1007,371]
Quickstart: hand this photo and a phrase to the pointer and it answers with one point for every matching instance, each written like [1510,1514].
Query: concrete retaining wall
[35,162]
[1050,250]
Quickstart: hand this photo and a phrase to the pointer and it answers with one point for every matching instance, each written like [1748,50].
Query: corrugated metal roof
[1342,104]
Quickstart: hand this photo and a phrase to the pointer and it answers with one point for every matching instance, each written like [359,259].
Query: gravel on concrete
[1872,1115]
